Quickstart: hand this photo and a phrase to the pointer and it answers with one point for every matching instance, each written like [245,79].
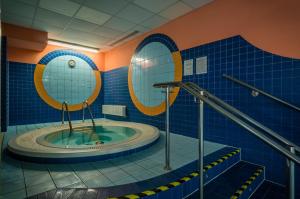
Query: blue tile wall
[116,92]
[4,90]
[25,105]
[234,56]
[58,53]
[274,74]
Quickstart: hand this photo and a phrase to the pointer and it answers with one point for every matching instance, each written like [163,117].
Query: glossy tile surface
[20,179]
[165,179]
[269,190]
[229,182]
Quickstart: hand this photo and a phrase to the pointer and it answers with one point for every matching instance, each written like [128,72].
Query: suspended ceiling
[95,23]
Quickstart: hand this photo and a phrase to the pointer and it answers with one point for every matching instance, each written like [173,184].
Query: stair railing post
[201,146]
[292,176]
[167,123]
[83,107]
[62,113]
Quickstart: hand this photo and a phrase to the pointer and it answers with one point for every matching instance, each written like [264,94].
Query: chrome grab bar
[205,96]
[248,118]
[261,92]
[167,151]
[235,115]
[65,107]
[85,105]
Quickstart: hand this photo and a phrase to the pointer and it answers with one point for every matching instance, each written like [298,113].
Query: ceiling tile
[79,41]
[176,10]
[40,25]
[19,9]
[107,32]
[84,26]
[52,18]
[17,20]
[100,42]
[78,1]
[154,21]
[155,5]
[30,2]
[64,7]
[71,33]
[139,28]
[106,6]
[196,3]
[74,34]
[93,16]
[119,24]
[82,38]
[134,13]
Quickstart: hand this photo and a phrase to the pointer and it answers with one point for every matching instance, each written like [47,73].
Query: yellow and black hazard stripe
[248,182]
[177,182]
[222,159]
[160,188]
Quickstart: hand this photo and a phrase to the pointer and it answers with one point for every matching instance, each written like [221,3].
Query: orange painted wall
[25,38]
[272,25]
[29,46]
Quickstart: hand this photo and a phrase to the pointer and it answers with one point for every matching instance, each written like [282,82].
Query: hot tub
[108,139]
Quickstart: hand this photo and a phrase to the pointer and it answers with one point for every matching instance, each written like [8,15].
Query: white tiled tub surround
[27,145]
[20,179]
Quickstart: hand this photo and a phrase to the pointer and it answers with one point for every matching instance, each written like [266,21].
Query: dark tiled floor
[269,190]
[226,184]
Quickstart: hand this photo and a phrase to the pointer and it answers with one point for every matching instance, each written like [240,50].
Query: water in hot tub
[89,135]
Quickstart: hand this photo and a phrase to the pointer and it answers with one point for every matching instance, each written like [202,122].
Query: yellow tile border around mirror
[156,110]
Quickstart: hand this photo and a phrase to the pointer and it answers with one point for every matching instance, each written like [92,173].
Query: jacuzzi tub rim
[82,154]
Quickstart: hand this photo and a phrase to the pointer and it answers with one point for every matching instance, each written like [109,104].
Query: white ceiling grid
[95,23]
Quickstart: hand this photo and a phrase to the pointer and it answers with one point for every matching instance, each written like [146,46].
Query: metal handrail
[205,96]
[65,107]
[248,118]
[85,105]
[236,116]
[261,92]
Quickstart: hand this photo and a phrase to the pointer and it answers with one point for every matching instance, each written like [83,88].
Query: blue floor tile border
[78,159]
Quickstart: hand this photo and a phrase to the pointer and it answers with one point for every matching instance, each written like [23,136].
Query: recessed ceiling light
[72,45]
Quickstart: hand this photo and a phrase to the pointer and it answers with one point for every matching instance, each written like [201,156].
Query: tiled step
[176,184]
[239,182]
[219,161]
[269,190]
